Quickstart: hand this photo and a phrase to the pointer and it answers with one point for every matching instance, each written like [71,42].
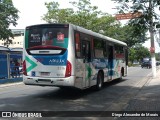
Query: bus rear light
[24,68]
[68,69]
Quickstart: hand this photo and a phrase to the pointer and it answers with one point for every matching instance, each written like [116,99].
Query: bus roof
[99,35]
[82,30]
[48,25]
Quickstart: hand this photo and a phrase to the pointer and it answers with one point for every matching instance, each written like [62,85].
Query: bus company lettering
[57,61]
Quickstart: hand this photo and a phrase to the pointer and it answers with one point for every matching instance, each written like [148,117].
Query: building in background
[17,41]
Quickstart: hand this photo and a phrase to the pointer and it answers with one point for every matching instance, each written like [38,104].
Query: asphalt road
[115,95]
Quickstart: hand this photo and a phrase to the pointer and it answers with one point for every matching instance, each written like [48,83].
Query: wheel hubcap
[100,82]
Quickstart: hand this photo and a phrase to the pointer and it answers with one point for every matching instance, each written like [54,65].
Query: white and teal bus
[68,55]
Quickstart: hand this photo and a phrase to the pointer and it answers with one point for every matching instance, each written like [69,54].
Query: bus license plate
[45,73]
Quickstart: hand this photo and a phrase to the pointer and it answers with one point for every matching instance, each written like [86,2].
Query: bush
[129,64]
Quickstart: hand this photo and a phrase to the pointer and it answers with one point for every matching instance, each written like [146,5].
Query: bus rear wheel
[99,81]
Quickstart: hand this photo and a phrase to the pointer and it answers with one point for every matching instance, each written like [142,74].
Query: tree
[158,56]
[142,52]
[56,15]
[85,15]
[8,16]
[127,35]
[132,55]
[91,18]
[138,52]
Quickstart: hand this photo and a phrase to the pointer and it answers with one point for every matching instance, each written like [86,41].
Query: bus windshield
[42,36]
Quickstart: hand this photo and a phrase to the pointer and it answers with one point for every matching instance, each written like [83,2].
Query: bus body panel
[46,66]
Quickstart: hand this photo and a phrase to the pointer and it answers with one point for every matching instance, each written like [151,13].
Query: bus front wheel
[121,74]
[99,81]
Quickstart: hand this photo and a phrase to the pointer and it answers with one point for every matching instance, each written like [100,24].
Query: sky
[31,12]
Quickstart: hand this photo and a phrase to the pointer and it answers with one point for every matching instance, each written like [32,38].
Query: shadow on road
[113,94]
[67,93]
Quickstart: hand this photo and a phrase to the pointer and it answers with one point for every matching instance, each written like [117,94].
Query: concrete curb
[12,80]
[10,84]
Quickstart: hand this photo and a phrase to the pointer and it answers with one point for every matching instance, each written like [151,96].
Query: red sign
[152,49]
[128,16]
[120,56]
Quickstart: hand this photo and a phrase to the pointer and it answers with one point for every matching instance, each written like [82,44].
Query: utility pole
[151,30]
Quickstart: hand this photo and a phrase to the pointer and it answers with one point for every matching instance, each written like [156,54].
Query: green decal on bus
[33,64]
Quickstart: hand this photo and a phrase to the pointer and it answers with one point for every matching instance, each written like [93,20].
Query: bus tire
[121,74]
[99,81]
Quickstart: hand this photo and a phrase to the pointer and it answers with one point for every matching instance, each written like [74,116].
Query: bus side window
[105,49]
[98,48]
[86,53]
[83,50]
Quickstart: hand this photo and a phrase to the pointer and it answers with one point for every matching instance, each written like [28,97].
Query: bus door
[86,53]
[110,62]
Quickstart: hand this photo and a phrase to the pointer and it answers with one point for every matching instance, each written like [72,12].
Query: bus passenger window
[83,50]
[86,53]
[105,49]
[98,48]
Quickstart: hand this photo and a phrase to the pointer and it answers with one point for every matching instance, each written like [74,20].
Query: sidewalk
[148,98]
[154,81]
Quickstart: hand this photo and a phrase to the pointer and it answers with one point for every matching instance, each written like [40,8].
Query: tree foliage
[138,52]
[157,56]
[127,34]
[8,16]
[89,17]
[143,23]
[84,15]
